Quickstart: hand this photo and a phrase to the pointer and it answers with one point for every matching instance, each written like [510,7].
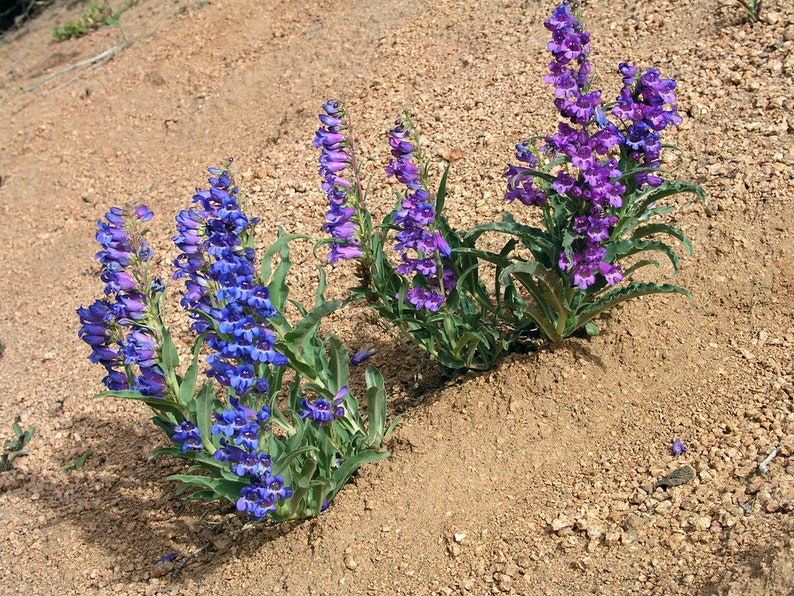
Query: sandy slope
[534,478]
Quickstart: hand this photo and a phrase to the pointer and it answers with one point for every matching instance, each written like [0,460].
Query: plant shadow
[123,503]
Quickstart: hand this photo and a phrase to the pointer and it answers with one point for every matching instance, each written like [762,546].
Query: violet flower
[221,289]
[424,252]
[337,155]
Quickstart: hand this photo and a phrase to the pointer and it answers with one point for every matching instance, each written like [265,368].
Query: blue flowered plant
[597,183]
[276,450]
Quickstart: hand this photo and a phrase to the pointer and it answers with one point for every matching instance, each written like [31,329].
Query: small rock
[595,532]
[350,562]
[561,522]
[612,536]
[703,522]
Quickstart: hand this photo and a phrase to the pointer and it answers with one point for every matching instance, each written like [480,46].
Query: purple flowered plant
[345,197]
[597,183]
[407,266]
[422,248]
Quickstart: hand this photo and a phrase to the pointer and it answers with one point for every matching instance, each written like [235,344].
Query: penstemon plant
[597,183]
[278,449]
[431,290]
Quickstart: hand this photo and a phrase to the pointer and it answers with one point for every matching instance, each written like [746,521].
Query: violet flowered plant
[597,183]
[414,269]
[277,450]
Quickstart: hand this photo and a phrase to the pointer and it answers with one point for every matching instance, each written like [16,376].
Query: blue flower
[221,288]
[322,412]
[232,421]
[415,222]
[361,356]
[117,328]
[187,434]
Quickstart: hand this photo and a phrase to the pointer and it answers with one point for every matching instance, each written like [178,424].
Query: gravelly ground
[535,478]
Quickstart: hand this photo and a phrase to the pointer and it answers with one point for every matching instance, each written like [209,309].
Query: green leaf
[225,488]
[544,284]
[592,329]
[168,355]
[205,408]
[293,454]
[376,406]
[532,236]
[441,194]
[310,323]
[639,265]
[338,363]
[187,387]
[319,297]
[155,403]
[276,282]
[641,245]
[633,290]
[350,465]
[674,187]
[165,424]
[659,228]
[79,462]
[204,495]
[172,451]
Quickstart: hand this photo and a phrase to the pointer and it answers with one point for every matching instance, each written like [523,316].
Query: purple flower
[415,222]
[117,328]
[337,155]
[221,289]
[678,447]
[260,498]
[361,356]
[232,421]
[322,412]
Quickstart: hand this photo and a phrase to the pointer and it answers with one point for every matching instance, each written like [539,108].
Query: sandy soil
[534,478]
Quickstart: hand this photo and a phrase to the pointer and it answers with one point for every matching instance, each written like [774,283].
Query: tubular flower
[116,327]
[221,288]
[322,412]
[337,155]
[240,428]
[593,180]
[188,435]
[417,231]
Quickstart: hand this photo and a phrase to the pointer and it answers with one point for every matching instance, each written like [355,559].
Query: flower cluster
[648,103]
[222,425]
[117,327]
[340,219]
[415,221]
[222,290]
[595,183]
[239,428]
[322,412]
[188,434]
